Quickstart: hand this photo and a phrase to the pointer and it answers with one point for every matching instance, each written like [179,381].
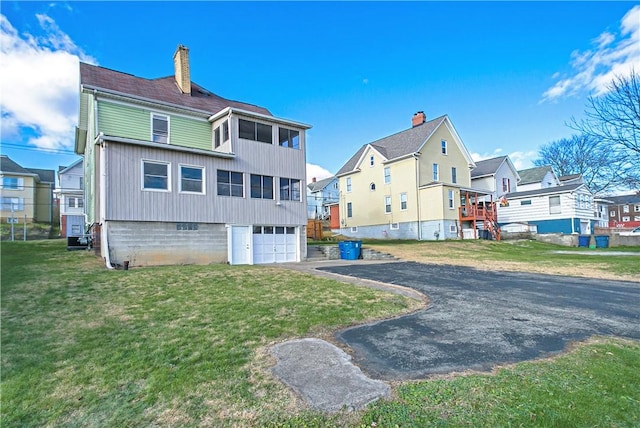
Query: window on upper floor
[12,183]
[261,186]
[221,134]
[255,131]
[372,161]
[443,146]
[625,208]
[348,184]
[289,189]
[12,204]
[74,202]
[159,128]
[230,183]
[454,175]
[387,175]
[372,187]
[156,175]
[636,208]
[436,174]
[506,185]
[554,205]
[289,138]
[192,179]
[403,201]
[387,204]
[612,213]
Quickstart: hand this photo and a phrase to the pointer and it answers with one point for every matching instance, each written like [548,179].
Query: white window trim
[406,200]
[453,228]
[168,189]
[151,115]
[20,184]
[388,197]
[435,168]
[354,229]
[451,199]
[394,226]
[372,161]
[386,178]
[446,147]
[200,167]
[348,184]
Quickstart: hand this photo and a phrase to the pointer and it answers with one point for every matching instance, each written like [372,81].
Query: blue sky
[510,75]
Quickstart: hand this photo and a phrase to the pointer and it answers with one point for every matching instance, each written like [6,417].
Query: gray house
[175,174]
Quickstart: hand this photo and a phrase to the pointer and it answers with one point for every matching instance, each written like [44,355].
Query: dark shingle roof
[46,175]
[397,145]
[625,199]
[320,184]
[8,165]
[545,191]
[163,89]
[533,175]
[487,166]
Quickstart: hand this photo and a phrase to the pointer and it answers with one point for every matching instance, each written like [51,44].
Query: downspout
[573,229]
[103,208]
[416,157]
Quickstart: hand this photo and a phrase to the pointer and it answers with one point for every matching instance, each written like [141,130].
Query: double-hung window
[348,184]
[12,183]
[436,175]
[443,147]
[387,175]
[230,183]
[289,189]
[155,175]
[554,205]
[74,202]
[349,209]
[403,201]
[372,161]
[506,185]
[289,138]
[191,179]
[12,204]
[451,199]
[387,204]
[261,186]
[454,175]
[255,131]
[159,128]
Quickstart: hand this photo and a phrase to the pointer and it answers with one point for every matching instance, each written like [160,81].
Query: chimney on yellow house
[181,64]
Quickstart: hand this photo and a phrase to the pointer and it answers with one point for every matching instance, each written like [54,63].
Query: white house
[539,177]
[498,176]
[71,197]
[320,195]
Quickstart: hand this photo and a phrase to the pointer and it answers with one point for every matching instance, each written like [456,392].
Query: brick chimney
[418,119]
[181,64]
[313,180]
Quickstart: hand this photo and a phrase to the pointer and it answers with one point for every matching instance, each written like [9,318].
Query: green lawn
[186,346]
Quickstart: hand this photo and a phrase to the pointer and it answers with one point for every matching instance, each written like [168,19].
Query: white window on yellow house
[349,209]
[372,161]
[348,184]
[387,175]
[436,175]
[387,204]
[443,147]
[451,200]
[454,175]
[403,201]
[12,183]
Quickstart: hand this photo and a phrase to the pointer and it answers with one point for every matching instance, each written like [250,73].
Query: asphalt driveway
[478,319]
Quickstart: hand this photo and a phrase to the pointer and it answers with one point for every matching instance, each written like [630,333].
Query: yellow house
[26,193]
[407,185]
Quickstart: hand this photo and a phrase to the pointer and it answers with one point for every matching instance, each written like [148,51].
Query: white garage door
[274,244]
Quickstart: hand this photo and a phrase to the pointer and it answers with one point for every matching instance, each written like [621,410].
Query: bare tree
[613,119]
[585,155]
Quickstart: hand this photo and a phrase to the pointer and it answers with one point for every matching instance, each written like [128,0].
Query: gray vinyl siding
[128,202]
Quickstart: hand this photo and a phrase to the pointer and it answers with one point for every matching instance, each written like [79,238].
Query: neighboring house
[320,195]
[553,209]
[601,211]
[175,174]
[71,199]
[498,176]
[407,185]
[540,177]
[624,211]
[571,179]
[26,192]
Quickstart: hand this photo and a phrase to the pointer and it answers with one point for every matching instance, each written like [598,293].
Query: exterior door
[239,245]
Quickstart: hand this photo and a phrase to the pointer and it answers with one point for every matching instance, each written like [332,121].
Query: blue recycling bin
[602,241]
[350,250]
[583,240]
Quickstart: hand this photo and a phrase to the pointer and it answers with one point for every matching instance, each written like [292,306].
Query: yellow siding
[431,153]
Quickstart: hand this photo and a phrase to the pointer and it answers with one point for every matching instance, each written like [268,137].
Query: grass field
[187,346]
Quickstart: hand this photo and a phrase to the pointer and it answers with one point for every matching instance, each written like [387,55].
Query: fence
[19,229]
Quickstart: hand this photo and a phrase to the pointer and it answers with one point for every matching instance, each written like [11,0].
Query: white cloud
[316,171]
[523,160]
[611,55]
[39,85]
[482,156]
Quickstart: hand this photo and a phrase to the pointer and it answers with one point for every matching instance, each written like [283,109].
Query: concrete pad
[323,375]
